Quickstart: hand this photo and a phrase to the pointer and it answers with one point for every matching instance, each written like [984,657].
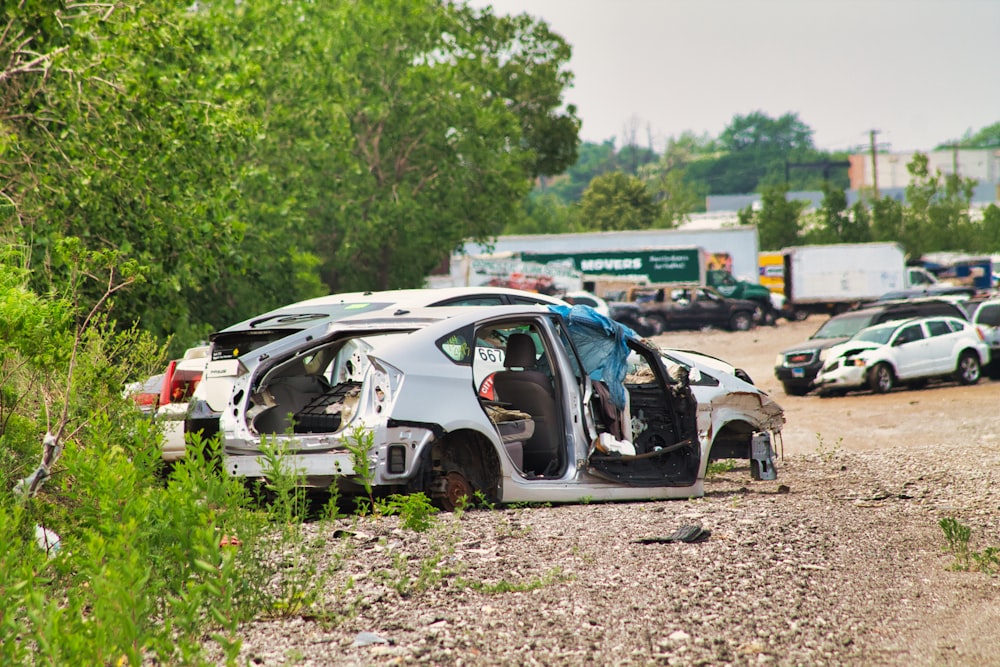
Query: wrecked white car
[582,408]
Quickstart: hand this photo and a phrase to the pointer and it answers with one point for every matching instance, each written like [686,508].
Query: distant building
[982,164]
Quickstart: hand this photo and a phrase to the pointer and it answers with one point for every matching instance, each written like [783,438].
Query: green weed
[553,576]
[958,537]
[416,512]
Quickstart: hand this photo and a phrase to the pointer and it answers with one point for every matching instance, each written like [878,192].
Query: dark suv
[651,310]
[797,366]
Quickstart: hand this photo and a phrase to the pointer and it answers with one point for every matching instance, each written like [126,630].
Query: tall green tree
[936,215]
[396,129]
[990,230]
[757,151]
[778,220]
[617,201]
[837,223]
[986,137]
[117,142]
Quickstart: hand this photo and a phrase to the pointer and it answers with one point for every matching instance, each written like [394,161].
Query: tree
[544,213]
[755,149]
[987,137]
[990,229]
[617,201]
[778,220]
[675,196]
[837,223]
[936,216]
[425,133]
[119,144]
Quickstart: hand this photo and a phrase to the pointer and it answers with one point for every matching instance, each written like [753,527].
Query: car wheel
[794,389]
[457,491]
[881,379]
[799,315]
[656,324]
[968,371]
[741,321]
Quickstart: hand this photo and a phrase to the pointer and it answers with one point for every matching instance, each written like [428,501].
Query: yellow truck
[771,270]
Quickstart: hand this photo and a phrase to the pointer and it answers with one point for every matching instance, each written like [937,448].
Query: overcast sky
[921,72]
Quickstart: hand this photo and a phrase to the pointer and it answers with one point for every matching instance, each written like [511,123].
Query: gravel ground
[841,561]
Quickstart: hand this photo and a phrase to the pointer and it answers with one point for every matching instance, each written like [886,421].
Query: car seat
[525,388]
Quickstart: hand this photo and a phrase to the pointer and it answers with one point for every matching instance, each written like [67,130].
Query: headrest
[520,352]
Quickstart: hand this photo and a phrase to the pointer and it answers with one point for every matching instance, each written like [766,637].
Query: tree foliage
[243,151]
[778,220]
[120,144]
[616,202]
[425,133]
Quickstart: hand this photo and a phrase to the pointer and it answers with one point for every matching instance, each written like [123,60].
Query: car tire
[881,379]
[794,389]
[969,370]
[741,321]
[656,324]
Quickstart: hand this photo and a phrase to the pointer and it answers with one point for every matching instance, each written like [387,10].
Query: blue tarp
[601,344]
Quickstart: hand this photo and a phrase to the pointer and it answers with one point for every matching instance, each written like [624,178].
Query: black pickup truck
[653,310]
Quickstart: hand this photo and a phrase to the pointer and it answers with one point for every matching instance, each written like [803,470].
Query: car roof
[904,321]
[424,321]
[304,314]
[946,306]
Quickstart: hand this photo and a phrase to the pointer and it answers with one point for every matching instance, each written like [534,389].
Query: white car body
[986,317]
[407,379]
[904,351]
[181,381]
[588,299]
[229,344]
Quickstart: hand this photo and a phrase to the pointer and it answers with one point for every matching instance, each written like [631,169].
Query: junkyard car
[796,367]
[986,316]
[394,398]
[651,310]
[239,339]
[180,382]
[909,351]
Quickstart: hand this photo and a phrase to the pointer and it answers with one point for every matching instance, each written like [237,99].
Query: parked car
[583,408]
[653,310]
[910,351]
[938,289]
[588,299]
[231,343]
[146,394]
[796,367]
[180,382]
[986,316]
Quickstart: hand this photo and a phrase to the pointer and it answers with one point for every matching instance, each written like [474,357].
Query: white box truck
[833,278]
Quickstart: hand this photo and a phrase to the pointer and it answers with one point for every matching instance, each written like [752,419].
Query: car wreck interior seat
[290,394]
[525,388]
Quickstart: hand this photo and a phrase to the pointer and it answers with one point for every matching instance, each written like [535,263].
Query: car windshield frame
[835,327]
[880,334]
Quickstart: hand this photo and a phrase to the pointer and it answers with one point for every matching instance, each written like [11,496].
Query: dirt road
[943,413]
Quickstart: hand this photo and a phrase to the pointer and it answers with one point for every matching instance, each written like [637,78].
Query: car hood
[852,346]
[814,344]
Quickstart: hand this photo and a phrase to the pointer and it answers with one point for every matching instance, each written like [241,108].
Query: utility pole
[871,135]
